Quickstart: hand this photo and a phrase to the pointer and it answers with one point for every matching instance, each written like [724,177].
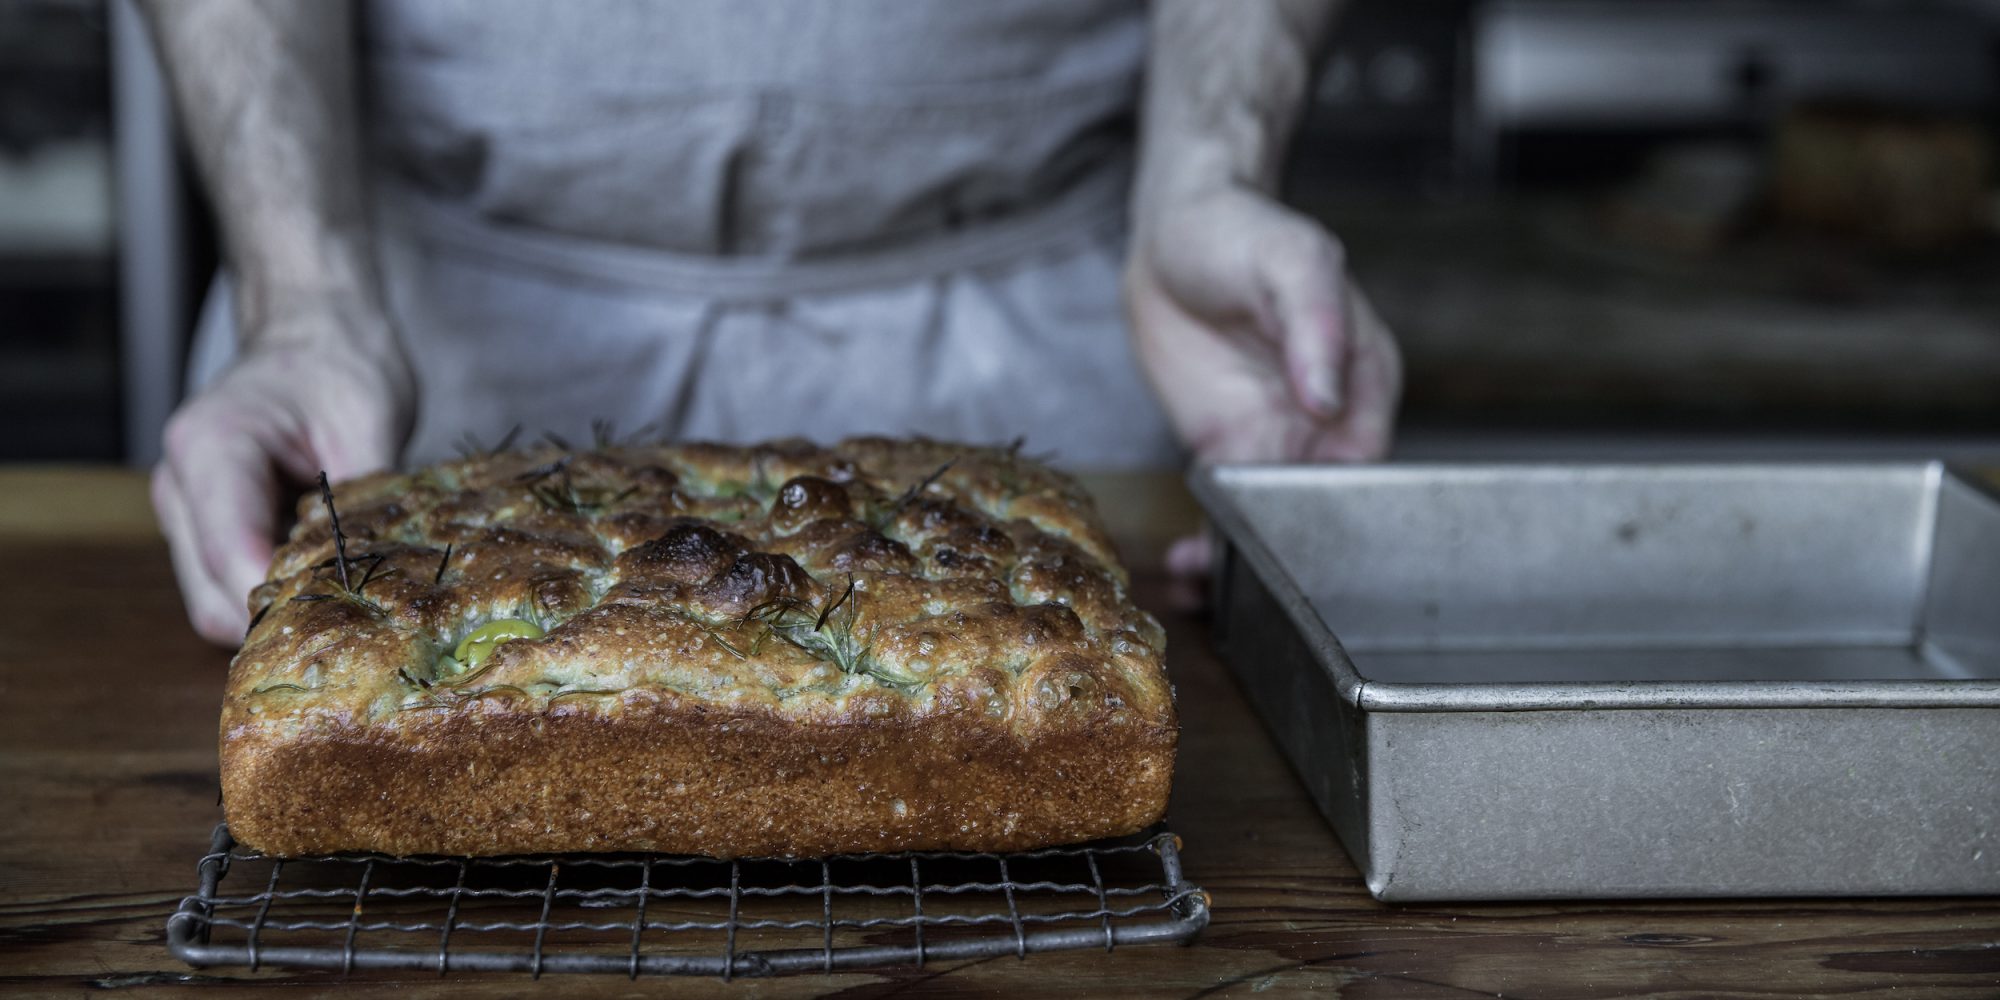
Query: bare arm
[1225,84]
[266,94]
[1241,312]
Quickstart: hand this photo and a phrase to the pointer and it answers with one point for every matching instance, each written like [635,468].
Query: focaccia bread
[732,651]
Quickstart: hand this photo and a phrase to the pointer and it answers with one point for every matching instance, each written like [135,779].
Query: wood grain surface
[107,764]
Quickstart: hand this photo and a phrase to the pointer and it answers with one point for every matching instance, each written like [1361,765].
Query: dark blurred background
[1627,225]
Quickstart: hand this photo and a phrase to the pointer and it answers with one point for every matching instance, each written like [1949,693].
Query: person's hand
[305,397]
[1258,345]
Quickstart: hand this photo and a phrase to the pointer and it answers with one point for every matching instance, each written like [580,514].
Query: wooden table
[107,763]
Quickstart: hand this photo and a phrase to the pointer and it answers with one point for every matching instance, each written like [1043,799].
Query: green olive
[474,647]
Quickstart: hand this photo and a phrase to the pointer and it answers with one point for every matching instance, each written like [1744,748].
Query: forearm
[1240,308]
[266,94]
[1225,84]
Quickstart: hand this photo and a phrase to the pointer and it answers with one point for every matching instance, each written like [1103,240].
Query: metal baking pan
[1534,682]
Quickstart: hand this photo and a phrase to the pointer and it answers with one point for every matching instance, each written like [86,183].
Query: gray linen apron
[739,219]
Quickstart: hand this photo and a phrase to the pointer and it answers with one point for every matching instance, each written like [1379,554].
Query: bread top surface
[867,581]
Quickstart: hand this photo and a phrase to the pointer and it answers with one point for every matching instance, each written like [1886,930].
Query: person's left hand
[1258,345]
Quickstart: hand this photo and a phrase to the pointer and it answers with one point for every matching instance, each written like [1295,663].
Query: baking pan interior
[1498,574]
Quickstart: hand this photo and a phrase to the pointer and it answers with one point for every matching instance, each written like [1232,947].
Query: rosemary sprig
[1009,471]
[545,470]
[562,494]
[773,611]
[1016,450]
[469,445]
[604,433]
[817,630]
[716,634]
[507,440]
[828,613]
[493,689]
[915,491]
[460,680]
[339,537]
[375,560]
[756,644]
[340,560]
[568,499]
[889,513]
[438,578]
[573,691]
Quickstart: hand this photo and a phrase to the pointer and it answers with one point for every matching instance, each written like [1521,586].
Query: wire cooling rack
[671,915]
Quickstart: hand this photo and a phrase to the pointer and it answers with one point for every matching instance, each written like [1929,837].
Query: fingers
[214,615]
[1256,342]
[285,411]
[1187,571]
[1302,275]
[1375,385]
[224,481]
[1190,556]
[345,451]
[1376,379]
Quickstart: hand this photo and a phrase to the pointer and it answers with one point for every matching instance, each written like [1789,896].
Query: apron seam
[885,100]
[1090,207]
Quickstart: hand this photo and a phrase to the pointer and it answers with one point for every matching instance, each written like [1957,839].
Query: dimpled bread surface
[776,650]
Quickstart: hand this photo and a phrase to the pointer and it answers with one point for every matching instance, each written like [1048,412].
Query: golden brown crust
[779,649]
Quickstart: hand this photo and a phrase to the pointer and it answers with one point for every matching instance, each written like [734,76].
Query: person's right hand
[303,398]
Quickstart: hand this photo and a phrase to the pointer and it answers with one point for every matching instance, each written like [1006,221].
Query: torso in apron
[747,218]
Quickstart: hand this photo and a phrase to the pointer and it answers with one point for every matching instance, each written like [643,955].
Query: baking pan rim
[1233,528]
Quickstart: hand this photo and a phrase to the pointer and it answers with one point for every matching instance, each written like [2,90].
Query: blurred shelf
[1525,310]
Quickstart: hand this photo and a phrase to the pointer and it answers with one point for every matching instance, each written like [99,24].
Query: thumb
[1304,284]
